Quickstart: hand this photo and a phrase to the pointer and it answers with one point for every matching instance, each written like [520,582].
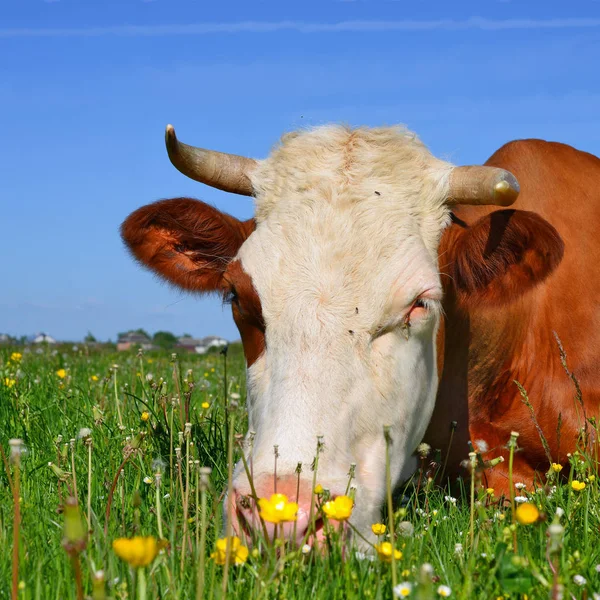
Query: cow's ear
[186,242]
[499,257]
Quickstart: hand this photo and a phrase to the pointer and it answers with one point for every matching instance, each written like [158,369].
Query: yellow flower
[277,509]
[556,467]
[527,513]
[578,485]
[318,489]
[237,552]
[8,382]
[339,509]
[384,551]
[138,551]
[212,370]
[591,478]
[378,528]
[94,378]
[16,356]
[145,416]
[150,361]
[205,405]
[489,491]
[405,573]
[61,373]
[205,374]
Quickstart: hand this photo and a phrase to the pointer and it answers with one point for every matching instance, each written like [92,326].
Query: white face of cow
[344,262]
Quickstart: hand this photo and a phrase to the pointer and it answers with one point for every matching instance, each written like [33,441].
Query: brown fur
[496,331]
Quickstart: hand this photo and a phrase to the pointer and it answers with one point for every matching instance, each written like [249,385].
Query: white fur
[346,219]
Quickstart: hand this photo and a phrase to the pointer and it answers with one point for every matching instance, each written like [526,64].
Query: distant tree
[187,335]
[140,331]
[164,339]
[89,338]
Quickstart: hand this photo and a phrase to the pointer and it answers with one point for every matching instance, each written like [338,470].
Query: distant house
[4,338]
[200,345]
[42,338]
[133,339]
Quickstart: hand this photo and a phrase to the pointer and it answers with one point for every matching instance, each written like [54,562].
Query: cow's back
[489,347]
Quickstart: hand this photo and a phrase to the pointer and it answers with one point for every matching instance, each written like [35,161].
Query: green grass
[47,412]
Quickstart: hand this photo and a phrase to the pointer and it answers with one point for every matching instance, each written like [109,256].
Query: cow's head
[335,289]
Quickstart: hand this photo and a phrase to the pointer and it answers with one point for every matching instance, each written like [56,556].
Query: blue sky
[87,87]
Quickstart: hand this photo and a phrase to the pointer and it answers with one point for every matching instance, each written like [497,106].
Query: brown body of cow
[485,346]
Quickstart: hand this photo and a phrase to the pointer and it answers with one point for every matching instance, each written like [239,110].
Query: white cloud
[478,23]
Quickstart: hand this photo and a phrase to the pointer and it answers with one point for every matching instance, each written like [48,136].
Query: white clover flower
[579,580]
[234,396]
[520,485]
[520,499]
[458,549]
[559,512]
[402,590]
[306,549]
[147,480]
[450,499]
[597,567]
[444,591]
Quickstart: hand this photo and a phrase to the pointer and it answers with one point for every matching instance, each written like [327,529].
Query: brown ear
[499,257]
[186,242]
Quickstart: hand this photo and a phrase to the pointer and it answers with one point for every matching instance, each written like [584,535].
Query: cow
[379,285]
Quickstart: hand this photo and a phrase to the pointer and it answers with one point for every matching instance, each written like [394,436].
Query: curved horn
[227,172]
[482,185]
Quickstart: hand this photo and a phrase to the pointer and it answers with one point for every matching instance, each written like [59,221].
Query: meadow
[113,499]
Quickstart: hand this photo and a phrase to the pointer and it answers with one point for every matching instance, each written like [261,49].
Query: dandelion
[406,529]
[527,513]
[84,433]
[423,450]
[205,374]
[237,551]
[489,491]
[339,509]
[138,551]
[145,416]
[384,551]
[8,382]
[402,590]
[94,378]
[16,357]
[578,485]
[278,509]
[205,405]
[444,591]
[378,528]
[61,373]
[579,580]
[557,468]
